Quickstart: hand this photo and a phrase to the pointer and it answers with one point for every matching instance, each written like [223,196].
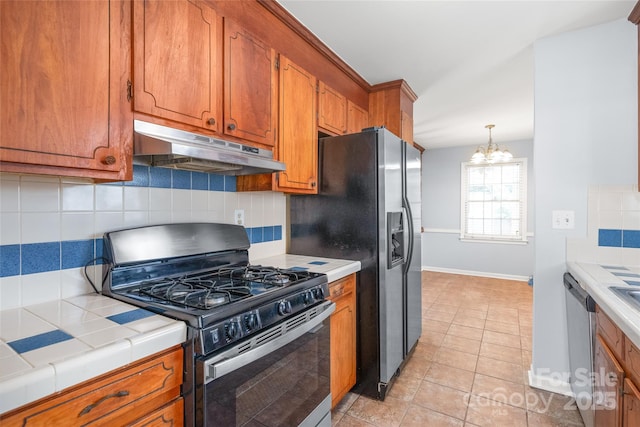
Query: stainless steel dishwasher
[581,324]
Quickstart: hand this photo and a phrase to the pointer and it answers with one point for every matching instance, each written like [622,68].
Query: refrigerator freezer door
[342,222]
[391,319]
[413,275]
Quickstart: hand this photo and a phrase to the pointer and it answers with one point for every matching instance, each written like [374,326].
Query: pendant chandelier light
[492,153]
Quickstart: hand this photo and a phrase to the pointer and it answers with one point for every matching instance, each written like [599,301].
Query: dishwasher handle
[583,297]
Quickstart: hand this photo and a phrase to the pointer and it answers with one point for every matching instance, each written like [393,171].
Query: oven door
[279,377]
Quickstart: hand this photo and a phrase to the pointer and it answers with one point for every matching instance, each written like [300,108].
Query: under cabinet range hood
[156,145]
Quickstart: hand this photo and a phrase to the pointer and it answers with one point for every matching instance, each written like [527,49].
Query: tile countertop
[334,268]
[45,348]
[596,279]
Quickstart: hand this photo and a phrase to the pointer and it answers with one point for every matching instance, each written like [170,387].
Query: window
[494,201]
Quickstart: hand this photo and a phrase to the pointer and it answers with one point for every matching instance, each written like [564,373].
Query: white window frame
[494,238]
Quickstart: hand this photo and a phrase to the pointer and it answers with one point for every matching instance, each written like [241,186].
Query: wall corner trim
[549,383]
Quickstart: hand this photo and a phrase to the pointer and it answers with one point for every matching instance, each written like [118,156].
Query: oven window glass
[280,389]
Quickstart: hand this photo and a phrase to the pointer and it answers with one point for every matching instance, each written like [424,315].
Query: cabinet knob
[231,126]
[313,184]
[109,160]
[211,121]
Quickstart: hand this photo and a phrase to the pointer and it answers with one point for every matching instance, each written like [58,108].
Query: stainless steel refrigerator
[368,209]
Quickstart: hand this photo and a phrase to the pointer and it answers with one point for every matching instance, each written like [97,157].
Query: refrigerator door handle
[408,233]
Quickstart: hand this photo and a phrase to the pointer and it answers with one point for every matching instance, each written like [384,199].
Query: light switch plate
[563,220]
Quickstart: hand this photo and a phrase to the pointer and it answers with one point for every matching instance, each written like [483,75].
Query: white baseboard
[476,273]
[549,383]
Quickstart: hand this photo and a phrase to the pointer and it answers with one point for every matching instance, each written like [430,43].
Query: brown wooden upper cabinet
[63,92]
[332,109]
[250,86]
[357,118]
[297,137]
[337,114]
[391,105]
[179,71]
[297,143]
[176,61]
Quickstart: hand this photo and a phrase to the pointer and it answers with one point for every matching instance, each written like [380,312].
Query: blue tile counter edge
[335,269]
[596,280]
[58,371]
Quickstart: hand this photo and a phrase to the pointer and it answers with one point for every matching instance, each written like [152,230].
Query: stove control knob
[231,329]
[284,307]
[318,293]
[251,321]
[308,298]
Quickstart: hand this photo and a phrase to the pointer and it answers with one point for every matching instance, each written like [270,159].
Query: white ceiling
[469,62]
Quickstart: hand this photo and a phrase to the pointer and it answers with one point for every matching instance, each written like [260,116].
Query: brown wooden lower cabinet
[617,369]
[631,405]
[171,415]
[144,393]
[343,337]
[607,396]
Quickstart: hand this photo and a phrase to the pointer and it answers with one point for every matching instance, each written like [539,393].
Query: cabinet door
[298,139]
[63,91]
[357,118]
[607,398]
[632,360]
[631,416]
[332,110]
[610,333]
[343,338]
[250,91]
[176,61]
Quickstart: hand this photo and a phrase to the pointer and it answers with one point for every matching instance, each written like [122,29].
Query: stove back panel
[157,242]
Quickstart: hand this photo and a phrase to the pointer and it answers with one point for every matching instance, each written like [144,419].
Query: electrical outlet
[239,217]
[565,220]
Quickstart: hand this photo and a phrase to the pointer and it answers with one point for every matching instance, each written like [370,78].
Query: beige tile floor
[470,365]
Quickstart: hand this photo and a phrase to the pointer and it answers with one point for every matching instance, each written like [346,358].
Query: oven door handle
[224,364]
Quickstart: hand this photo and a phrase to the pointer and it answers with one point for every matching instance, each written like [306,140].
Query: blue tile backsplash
[51,256]
[54,225]
[616,238]
[612,238]
[612,227]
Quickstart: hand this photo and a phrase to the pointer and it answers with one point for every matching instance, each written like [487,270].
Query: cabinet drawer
[116,398]
[171,415]
[611,334]
[342,287]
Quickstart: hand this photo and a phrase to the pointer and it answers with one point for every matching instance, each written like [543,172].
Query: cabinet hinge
[317,88]
[277,63]
[129,90]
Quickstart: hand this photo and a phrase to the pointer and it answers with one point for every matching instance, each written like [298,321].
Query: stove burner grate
[218,287]
[256,273]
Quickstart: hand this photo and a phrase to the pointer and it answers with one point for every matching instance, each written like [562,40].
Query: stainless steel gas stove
[250,327]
